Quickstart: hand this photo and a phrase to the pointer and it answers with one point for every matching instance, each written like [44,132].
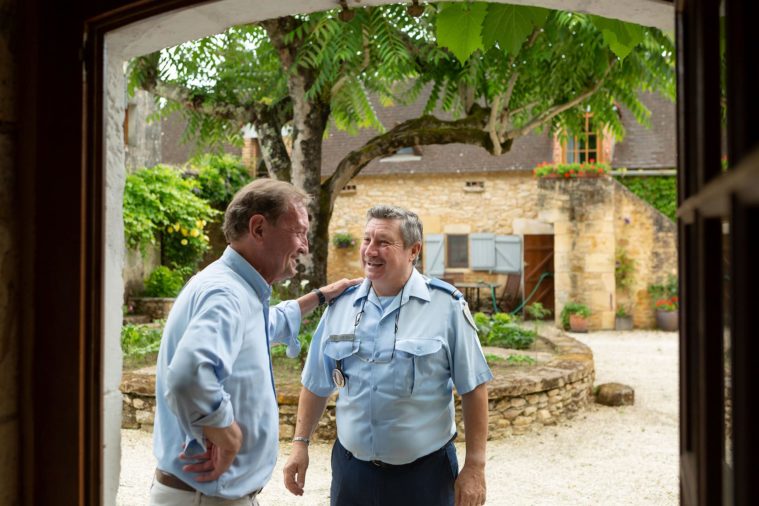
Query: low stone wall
[520,399]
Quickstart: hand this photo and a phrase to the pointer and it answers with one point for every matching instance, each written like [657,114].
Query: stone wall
[520,400]
[650,240]
[9,259]
[443,202]
[582,212]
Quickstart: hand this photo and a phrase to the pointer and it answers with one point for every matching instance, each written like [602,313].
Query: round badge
[338,377]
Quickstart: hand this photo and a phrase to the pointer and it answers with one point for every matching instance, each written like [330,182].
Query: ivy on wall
[659,191]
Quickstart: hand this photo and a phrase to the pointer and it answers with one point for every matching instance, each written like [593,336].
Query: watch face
[338,377]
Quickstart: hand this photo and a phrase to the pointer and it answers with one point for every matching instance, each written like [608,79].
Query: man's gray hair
[268,197]
[411,225]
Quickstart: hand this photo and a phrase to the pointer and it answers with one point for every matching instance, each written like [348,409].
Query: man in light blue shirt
[214,385]
[394,348]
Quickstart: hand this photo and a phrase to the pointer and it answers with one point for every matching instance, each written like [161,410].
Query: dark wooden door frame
[707,198]
[61,196]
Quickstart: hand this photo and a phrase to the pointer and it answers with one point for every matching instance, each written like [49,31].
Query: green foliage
[570,170]
[343,240]
[517,359]
[468,27]
[571,308]
[492,359]
[659,191]
[624,269]
[537,311]
[160,205]
[622,312]
[664,296]
[138,341]
[219,178]
[459,27]
[165,282]
[501,330]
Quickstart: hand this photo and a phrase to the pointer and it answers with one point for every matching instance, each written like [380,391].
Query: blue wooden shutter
[433,255]
[508,253]
[482,252]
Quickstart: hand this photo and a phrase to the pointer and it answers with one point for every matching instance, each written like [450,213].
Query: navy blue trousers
[428,481]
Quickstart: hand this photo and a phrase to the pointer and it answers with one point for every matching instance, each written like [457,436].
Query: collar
[240,266]
[416,286]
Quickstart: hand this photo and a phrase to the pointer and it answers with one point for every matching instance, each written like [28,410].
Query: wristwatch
[322,298]
[302,440]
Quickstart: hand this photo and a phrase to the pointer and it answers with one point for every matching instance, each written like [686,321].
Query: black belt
[385,465]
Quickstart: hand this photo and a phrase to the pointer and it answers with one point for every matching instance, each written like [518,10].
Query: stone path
[619,456]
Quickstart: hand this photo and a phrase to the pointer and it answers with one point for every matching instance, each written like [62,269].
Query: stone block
[518,402]
[138,403]
[144,417]
[615,394]
[521,421]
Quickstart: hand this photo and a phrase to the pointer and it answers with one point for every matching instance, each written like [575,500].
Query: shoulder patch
[468,315]
[347,290]
[439,284]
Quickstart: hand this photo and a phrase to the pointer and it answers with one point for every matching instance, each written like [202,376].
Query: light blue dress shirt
[214,367]
[397,403]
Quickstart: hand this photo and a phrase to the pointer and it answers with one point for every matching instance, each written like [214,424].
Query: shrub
[160,206]
[537,311]
[219,178]
[571,308]
[624,268]
[164,282]
[137,341]
[500,330]
[664,296]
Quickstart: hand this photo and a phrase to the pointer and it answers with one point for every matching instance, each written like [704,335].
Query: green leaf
[510,25]
[459,26]
[620,36]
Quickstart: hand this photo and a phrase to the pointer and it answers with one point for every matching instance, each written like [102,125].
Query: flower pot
[623,323]
[578,323]
[666,320]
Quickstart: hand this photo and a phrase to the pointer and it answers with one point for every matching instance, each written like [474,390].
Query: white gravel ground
[603,456]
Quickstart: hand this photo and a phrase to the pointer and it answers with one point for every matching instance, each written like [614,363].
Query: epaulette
[347,290]
[446,287]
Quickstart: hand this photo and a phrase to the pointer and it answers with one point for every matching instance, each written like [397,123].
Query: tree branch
[550,113]
[424,130]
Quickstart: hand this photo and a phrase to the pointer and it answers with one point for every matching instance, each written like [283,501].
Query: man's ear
[415,249]
[256,226]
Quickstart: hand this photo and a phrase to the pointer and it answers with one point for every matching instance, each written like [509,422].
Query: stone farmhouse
[489,223]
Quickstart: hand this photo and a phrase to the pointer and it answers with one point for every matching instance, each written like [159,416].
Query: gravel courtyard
[603,456]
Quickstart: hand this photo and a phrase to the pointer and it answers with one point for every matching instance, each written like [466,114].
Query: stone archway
[190,23]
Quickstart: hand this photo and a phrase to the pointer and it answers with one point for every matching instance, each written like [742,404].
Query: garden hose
[524,301]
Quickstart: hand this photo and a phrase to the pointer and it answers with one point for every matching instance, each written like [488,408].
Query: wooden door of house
[538,270]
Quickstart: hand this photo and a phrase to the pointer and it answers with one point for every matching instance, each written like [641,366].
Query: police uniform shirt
[397,403]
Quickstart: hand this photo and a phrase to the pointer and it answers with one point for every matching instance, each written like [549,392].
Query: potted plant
[666,303]
[343,240]
[623,319]
[574,316]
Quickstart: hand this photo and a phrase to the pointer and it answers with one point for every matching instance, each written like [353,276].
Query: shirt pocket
[341,350]
[416,362]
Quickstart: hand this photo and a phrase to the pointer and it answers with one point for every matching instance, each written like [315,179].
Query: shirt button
[376,355]
[374,388]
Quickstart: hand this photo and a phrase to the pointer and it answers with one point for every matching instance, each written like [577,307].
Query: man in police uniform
[394,347]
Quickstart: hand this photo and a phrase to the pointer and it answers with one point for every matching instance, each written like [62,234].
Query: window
[586,147]
[457,252]
[474,186]
[405,154]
